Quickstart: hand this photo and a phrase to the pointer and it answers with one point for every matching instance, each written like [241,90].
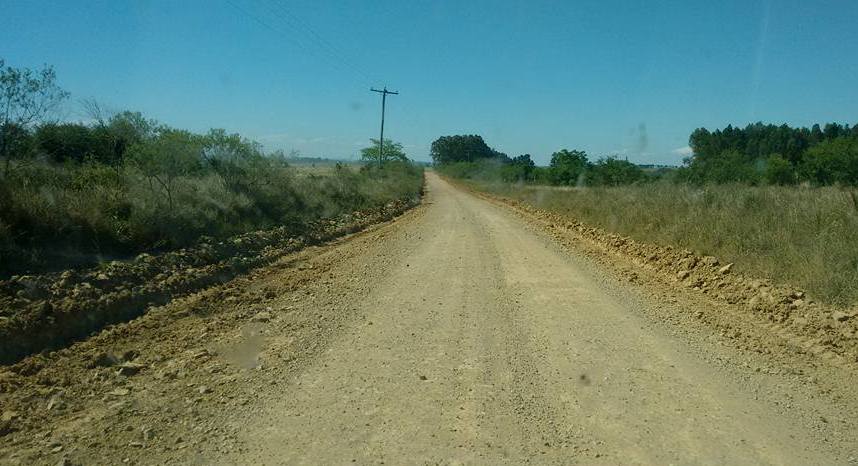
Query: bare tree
[96,112]
[26,97]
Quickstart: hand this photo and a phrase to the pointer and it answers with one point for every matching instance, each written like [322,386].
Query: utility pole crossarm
[383,93]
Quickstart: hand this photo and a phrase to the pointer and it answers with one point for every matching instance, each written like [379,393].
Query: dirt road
[484,342]
[463,334]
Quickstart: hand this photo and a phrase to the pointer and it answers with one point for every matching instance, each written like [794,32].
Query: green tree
[116,132]
[240,162]
[174,153]
[66,142]
[779,170]
[18,140]
[125,129]
[611,171]
[568,167]
[729,166]
[520,168]
[392,151]
[830,162]
[26,97]
[462,148]
[742,154]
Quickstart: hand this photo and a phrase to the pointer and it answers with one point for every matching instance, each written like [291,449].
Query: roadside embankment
[43,312]
[795,313]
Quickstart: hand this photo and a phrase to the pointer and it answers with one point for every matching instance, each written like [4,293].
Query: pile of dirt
[816,324]
[41,312]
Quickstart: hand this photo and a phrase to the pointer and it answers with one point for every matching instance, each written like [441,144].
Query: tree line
[757,154]
[468,156]
[771,154]
[120,183]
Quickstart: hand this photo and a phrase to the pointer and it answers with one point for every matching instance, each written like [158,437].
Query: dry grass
[56,216]
[806,237]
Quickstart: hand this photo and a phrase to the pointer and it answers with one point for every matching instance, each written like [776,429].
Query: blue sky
[610,77]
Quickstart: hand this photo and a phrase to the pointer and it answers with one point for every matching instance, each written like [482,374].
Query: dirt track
[461,333]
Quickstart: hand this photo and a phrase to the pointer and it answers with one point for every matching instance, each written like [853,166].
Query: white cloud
[683,151]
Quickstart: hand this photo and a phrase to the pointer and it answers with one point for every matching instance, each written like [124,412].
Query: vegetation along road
[466,331]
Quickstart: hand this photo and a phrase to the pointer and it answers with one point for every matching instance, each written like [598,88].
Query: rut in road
[484,342]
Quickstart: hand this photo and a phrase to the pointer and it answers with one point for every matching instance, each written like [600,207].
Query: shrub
[519,169]
[59,215]
[830,162]
[614,172]
[568,167]
[779,171]
[66,142]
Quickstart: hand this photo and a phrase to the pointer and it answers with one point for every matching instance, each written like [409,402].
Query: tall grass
[802,236]
[60,215]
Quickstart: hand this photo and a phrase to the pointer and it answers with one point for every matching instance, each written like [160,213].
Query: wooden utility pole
[383,93]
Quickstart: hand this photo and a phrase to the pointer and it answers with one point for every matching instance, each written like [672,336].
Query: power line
[264,24]
[319,39]
[291,38]
[306,38]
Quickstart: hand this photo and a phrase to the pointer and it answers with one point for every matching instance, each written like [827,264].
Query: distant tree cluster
[129,139]
[470,157]
[119,140]
[756,154]
[774,154]
[462,148]
[572,168]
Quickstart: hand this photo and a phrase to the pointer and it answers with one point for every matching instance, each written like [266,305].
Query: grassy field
[806,237]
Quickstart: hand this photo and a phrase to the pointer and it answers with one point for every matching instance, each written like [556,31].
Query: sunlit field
[802,236]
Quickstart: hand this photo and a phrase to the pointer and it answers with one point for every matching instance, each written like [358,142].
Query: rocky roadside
[810,325]
[43,312]
[164,387]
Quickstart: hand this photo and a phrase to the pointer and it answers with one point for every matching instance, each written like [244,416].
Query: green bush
[779,171]
[832,162]
[730,166]
[567,168]
[614,172]
[519,169]
[68,142]
[170,188]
